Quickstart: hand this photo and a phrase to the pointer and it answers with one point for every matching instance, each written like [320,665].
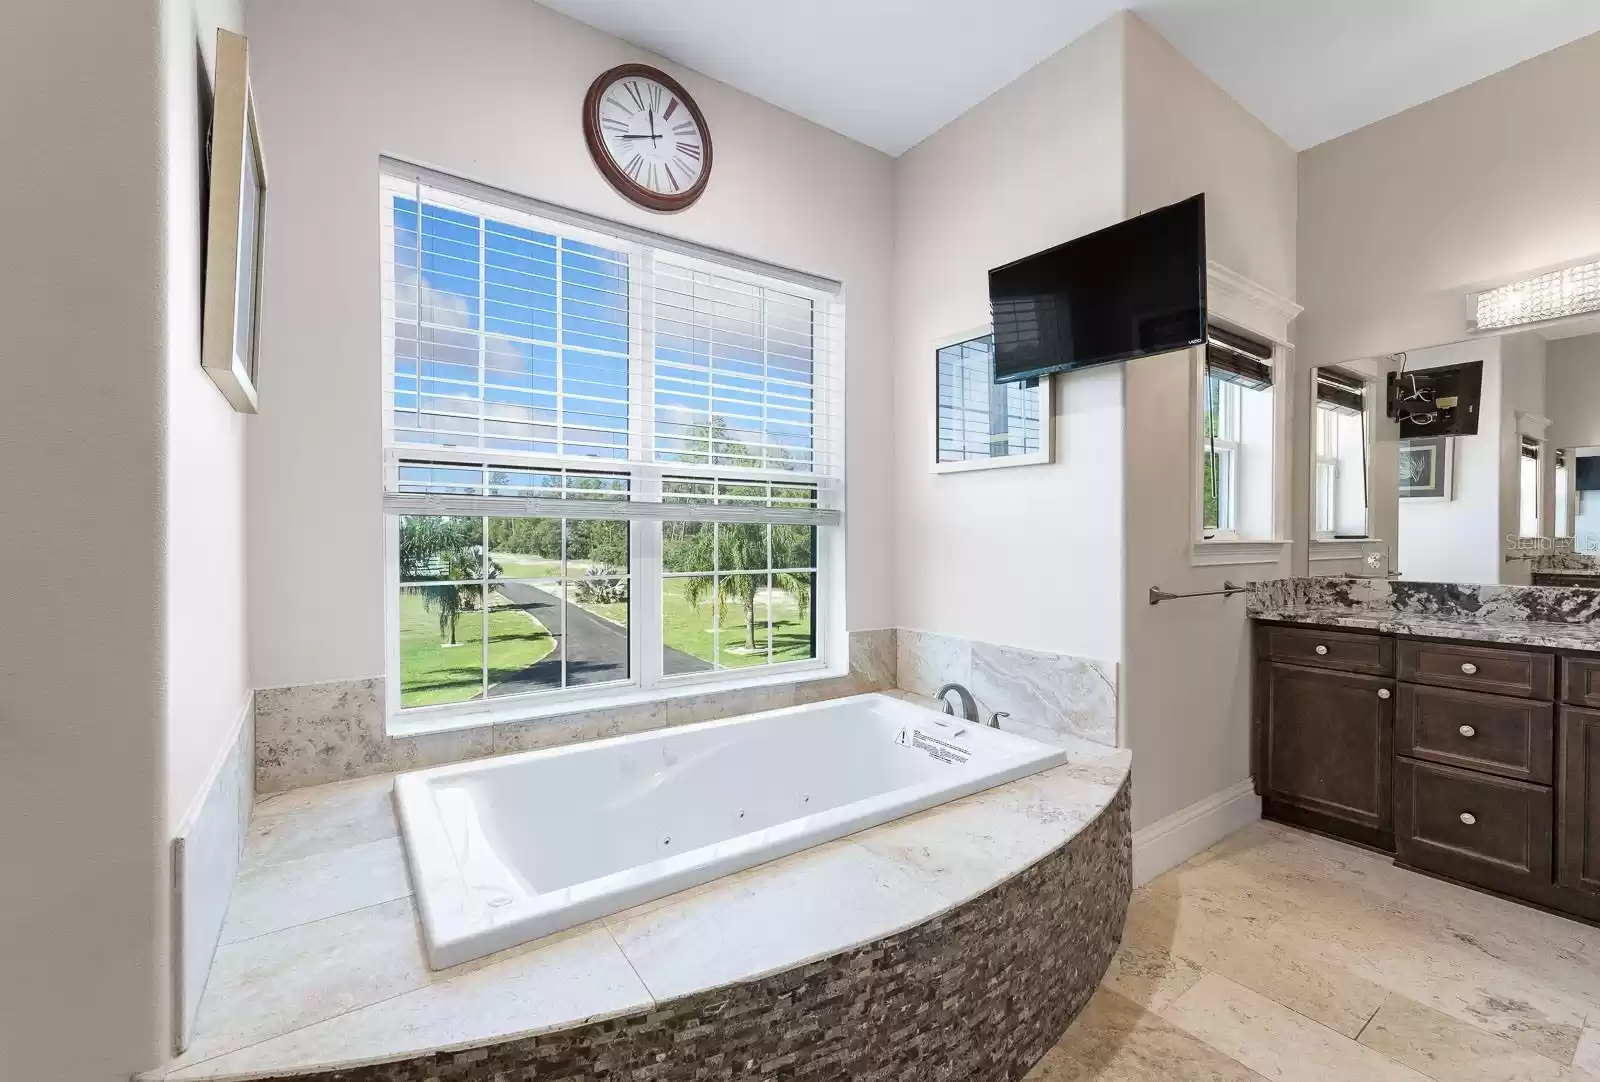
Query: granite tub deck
[954,944]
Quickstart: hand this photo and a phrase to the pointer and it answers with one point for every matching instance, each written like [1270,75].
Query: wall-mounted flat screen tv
[1131,289]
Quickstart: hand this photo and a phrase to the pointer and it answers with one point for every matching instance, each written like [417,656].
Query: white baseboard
[1169,842]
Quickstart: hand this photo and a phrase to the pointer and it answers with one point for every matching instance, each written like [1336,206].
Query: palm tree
[445,548]
[741,554]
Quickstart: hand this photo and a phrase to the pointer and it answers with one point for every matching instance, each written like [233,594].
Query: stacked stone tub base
[977,994]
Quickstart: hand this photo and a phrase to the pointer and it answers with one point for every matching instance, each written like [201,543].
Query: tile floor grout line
[318,920]
[655,1000]
[325,854]
[297,1029]
[1374,1014]
[1284,1006]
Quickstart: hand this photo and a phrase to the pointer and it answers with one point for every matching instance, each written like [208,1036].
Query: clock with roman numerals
[648,137]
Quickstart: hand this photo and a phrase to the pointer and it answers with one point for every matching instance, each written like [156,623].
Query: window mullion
[483,600]
[770,580]
[645,631]
[561,367]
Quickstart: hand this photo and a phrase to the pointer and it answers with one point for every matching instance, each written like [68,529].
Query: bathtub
[505,850]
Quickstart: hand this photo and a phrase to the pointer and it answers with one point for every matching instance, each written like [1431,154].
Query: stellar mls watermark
[1584,543]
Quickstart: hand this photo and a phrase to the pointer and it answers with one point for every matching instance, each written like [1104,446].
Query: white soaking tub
[506,850]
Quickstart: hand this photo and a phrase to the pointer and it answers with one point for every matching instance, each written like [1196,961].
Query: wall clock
[648,137]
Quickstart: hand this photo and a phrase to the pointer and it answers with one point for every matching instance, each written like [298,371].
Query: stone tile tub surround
[206,855]
[1046,694]
[954,944]
[316,733]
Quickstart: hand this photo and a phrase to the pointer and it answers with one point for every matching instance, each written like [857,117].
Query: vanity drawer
[1350,651]
[1580,681]
[1498,734]
[1494,832]
[1478,668]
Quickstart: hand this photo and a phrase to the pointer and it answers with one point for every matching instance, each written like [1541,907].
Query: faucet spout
[969,705]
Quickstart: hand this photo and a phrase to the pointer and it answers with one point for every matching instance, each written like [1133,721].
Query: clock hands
[654,136]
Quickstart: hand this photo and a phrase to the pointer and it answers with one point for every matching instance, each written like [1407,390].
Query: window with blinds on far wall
[612,459]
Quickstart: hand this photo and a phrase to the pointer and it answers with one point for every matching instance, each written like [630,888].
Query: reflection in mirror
[1516,502]
[1339,479]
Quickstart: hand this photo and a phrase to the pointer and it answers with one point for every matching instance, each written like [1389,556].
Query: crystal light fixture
[1556,294]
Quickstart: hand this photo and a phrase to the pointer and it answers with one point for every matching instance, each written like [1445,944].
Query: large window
[613,461]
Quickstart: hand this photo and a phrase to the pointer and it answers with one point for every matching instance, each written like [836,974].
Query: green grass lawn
[432,673]
[687,629]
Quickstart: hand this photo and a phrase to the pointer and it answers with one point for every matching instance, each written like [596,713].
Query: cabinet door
[1328,743]
[1578,828]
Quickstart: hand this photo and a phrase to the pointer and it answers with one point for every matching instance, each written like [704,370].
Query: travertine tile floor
[1283,955]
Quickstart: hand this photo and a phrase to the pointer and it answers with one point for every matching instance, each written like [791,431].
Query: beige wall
[498,101]
[1029,555]
[83,996]
[1478,187]
[1572,391]
[207,686]
[1185,686]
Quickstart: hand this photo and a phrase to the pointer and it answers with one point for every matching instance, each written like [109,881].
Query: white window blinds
[542,363]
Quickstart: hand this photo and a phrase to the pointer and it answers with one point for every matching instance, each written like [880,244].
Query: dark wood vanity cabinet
[1480,763]
[1324,720]
[1578,825]
[1326,747]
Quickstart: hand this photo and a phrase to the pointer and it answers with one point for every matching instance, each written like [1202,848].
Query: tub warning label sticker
[932,746]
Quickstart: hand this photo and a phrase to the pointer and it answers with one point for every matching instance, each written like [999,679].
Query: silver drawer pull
[1468,818]
[1383,693]
[1322,649]
[1468,667]
[1467,731]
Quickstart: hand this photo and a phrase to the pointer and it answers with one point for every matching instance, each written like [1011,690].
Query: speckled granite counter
[1520,633]
[967,935]
[1556,617]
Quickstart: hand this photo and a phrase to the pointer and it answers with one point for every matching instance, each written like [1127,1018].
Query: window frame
[1042,457]
[1226,547]
[1226,446]
[646,680]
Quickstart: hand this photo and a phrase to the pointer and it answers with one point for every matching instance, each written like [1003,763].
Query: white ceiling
[889,73]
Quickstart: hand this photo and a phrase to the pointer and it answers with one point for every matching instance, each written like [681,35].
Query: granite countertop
[1548,633]
[321,962]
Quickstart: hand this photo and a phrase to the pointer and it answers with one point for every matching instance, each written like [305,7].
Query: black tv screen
[1132,289]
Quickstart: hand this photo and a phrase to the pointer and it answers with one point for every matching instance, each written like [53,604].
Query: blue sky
[709,350]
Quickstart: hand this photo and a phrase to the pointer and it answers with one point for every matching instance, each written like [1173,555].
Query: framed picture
[1426,471]
[234,224]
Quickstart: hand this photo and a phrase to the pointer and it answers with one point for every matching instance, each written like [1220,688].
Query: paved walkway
[599,648]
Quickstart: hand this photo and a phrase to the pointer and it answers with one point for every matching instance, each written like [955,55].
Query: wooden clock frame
[620,180]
